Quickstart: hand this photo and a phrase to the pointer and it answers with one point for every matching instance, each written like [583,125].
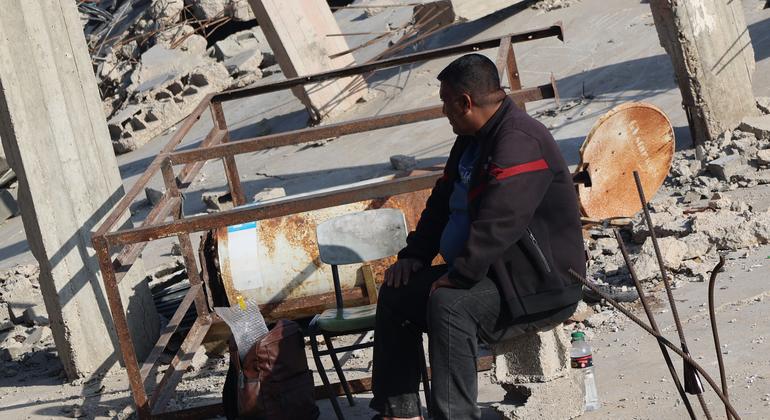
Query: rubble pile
[693,216]
[160,58]
[26,344]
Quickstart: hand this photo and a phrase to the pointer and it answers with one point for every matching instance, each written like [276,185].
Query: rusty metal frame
[127,244]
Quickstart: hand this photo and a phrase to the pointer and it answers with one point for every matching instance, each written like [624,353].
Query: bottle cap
[578,336]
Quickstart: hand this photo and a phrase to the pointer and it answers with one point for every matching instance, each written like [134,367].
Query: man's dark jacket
[525,229]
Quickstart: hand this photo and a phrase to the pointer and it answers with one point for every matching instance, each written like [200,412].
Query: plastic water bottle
[582,359]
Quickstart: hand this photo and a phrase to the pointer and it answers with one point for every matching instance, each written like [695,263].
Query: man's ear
[466,102]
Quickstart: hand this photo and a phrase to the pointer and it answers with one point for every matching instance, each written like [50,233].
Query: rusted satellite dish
[631,137]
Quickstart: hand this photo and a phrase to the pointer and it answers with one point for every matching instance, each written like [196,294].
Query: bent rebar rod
[686,357]
[692,383]
[653,324]
[712,315]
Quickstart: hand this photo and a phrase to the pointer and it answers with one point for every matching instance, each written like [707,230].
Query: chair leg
[322,373]
[425,380]
[338,368]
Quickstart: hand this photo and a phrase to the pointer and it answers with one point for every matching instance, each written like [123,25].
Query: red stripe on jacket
[502,173]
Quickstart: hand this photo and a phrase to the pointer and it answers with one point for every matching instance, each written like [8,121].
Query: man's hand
[398,273]
[442,281]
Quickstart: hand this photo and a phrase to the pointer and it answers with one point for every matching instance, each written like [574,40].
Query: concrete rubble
[155,71]
[534,370]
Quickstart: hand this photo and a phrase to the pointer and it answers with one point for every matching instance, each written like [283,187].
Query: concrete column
[711,51]
[535,371]
[55,137]
[298,37]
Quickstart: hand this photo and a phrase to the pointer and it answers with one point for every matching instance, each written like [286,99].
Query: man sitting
[504,217]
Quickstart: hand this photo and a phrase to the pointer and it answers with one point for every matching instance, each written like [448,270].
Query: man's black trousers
[455,319]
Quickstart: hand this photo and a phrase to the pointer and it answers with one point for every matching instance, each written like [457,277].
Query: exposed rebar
[692,383]
[715,332]
[686,357]
[654,325]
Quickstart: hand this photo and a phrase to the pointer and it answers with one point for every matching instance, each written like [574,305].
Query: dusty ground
[611,55]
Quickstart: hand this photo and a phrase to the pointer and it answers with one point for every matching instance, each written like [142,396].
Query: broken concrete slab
[558,399]
[160,65]
[246,62]
[726,167]
[759,126]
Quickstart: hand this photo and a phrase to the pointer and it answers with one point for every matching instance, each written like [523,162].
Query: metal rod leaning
[692,383]
[686,357]
[715,332]
[653,324]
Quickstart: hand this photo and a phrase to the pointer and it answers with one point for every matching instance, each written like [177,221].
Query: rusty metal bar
[715,330]
[276,209]
[339,129]
[179,364]
[553,30]
[653,324]
[127,199]
[184,239]
[514,79]
[121,325]
[130,253]
[686,357]
[231,168]
[692,383]
[170,329]
[502,56]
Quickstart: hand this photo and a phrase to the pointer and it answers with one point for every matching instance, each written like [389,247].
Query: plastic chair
[352,239]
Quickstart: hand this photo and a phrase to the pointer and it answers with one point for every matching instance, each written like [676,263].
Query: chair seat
[347,319]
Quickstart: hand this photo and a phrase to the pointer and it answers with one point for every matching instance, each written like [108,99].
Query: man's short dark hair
[473,74]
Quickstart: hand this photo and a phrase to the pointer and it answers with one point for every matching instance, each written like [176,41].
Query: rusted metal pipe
[547,32]
[692,383]
[305,135]
[274,209]
[653,324]
[715,331]
[686,357]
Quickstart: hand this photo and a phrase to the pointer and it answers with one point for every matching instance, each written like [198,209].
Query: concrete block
[35,315]
[759,126]
[726,167]
[558,399]
[403,162]
[5,318]
[535,357]
[246,62]
[236,44]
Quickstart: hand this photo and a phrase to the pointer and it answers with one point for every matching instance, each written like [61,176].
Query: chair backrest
[363,236]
